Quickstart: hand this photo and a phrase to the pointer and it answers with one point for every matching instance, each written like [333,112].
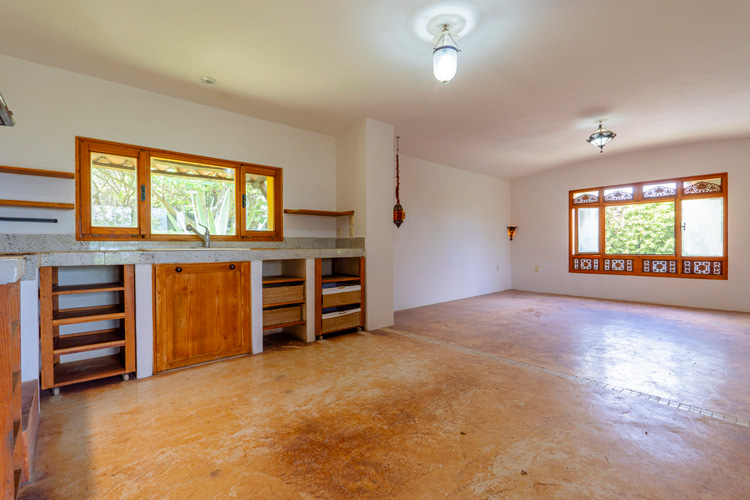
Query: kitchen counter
[63,250]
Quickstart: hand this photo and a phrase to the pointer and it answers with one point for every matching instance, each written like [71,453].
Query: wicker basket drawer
[282,315]
[279,294]
[343,298]
[342,321]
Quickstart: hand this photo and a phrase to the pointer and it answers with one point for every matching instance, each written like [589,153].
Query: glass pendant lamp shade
[445,56]
[601,138]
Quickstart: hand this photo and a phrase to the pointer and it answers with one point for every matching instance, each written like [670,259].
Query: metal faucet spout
[206,237]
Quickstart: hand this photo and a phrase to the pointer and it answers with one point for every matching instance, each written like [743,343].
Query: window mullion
[678,227]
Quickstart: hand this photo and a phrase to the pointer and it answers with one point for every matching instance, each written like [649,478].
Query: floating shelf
[322,213]
[36,172]
[38,204]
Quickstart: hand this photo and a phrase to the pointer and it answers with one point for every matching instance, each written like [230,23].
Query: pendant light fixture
[398,211]
[601,137]
[445,55]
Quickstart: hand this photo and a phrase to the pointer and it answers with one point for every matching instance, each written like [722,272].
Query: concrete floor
[509,395]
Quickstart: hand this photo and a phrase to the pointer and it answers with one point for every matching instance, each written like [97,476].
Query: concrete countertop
[25,265]
[11,269]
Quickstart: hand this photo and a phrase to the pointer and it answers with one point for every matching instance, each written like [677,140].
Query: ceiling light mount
[601,137]
[445,29]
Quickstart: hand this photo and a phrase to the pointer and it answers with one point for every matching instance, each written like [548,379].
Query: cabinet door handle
[231,266]
[179,269]
[143,192]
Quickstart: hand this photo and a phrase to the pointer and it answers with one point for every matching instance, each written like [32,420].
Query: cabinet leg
[55,391]
[319,337]
[125,376]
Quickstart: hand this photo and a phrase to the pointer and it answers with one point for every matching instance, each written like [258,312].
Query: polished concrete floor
[509,395]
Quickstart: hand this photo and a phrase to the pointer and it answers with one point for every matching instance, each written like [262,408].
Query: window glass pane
[644,229]
[185,193]
[114,191]
[588,230]
[259,202]
[703,227]
[659,190]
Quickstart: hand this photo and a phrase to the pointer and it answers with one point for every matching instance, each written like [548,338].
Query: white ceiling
[533,75]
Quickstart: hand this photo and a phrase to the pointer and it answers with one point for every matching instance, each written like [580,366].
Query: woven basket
[282,315]
[340,299]
[342,322]
[280,294]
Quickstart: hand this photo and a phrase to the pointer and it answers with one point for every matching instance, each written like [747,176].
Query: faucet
[206,237]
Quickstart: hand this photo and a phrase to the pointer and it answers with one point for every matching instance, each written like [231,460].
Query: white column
[144,321]
[256,306]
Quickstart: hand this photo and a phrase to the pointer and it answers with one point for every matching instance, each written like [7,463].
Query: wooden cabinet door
[202,312]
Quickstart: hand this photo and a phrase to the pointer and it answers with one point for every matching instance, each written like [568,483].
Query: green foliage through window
[642,229]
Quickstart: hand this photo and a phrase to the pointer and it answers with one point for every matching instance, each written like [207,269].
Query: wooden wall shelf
[33,171]
[322,213]
[37,204]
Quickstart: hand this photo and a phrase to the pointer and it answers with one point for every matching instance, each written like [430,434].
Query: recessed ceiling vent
[6,115]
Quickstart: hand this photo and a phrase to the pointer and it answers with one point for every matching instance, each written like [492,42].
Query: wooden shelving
[284,304]
[11,447]
[321,213]
[37,172]
[335,278]
[84,370]
[37,204]
[348,304]
[88,288]
[55,344]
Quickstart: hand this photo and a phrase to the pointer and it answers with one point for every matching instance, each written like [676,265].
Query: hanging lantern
[512,231]
[601,137]
[398,211]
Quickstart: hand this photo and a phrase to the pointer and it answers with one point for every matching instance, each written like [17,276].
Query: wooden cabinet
[202,312]
[118,315]
[340,292]
[11,453]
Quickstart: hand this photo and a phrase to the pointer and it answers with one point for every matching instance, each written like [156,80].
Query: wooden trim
[322,213]
[143,155]
[34,171]
[37,204]
[318,297]
[638,260]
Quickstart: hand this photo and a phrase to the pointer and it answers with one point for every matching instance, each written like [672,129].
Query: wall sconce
[512,231]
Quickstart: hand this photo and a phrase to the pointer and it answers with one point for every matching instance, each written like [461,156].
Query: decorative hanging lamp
[398,211]
[601,137]
[445,55]
[512,231]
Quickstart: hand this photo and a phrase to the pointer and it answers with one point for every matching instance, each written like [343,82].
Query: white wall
[453,243]
[351,165]
[540,208]
[52,107]
[379,238]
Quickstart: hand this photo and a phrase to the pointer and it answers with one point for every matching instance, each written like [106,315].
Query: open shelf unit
[340,293]
[10,382]
[117,335]
[284,303]
[325,213]
[38,173]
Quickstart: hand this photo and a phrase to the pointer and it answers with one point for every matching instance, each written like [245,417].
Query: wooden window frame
[143,155]
[662,266]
